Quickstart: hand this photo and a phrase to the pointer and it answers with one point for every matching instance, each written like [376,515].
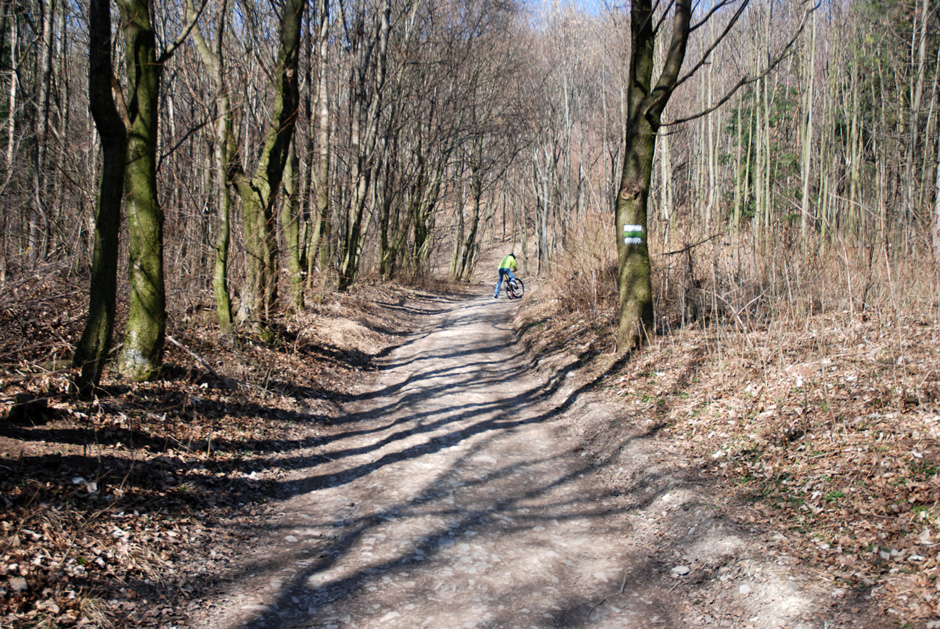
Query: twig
[595,607]
[693,246]
[194,355]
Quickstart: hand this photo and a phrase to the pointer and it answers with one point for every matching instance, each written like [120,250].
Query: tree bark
[212,59]
[645,105]
[807,137]
[258,192]
[366,108]
[39,218]
[144,336]
[92,349]
[320,242]
[290,227]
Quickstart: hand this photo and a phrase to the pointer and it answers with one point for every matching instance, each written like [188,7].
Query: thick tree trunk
[144,337]
[92,349]
[645,105]
[633,259]
[258,192]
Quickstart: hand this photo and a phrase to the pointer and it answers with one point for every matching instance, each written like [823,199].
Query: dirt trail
[455,493]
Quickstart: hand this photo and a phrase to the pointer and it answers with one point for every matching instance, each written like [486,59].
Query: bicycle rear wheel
[515,289]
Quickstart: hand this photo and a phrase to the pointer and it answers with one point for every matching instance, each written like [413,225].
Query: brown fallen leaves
[827,439]
[117,511]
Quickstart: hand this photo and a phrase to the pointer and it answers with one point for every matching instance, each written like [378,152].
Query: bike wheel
[516,289]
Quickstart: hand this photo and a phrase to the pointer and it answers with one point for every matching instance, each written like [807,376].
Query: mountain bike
[515,289]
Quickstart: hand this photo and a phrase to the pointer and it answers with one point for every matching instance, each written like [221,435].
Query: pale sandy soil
[462,488]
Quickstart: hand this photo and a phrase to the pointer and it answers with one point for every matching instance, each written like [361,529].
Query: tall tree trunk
[290,227]
[213,60]
[645,106]
[914,147]
[14,83]
[476,197]
[459,222]
[39,218]
[144,336]
[366,109]
[258,192]
[810,73]
[92,349]
[320,242]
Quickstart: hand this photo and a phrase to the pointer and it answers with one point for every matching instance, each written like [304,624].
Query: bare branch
[746,80]
[183,36]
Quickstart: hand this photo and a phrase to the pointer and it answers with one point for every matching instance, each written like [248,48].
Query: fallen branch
[197,357]
[694,245]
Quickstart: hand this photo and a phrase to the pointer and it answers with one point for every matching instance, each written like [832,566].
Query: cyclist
[506,267]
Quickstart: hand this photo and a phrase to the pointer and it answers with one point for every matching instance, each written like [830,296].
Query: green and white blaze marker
[633,234]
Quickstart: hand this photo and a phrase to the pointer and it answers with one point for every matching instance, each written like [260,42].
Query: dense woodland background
[232,170]
[459,123]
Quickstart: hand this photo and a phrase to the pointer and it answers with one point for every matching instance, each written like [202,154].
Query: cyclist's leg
[499,283]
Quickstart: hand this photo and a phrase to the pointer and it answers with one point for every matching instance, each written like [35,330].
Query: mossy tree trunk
[290,227]
[258,191]
[212,58]
[92,350]
[645,105]
[144,336]
[319,247]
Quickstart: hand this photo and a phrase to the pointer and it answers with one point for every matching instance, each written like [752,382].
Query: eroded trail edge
[454,493]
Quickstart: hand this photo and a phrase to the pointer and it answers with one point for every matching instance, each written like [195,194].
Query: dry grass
[806,380]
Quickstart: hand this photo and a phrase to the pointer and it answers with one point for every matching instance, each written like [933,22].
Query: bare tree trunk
[319,243]
[14,83]
[646,103]
[366,108]
[914,132]
[39,217]
[213,60]
[259,191]
[290,227]
[810,73]
[92,349]
[936,213]
[142,357]
[459,222]
[476,195]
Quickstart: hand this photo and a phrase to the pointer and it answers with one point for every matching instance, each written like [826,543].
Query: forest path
[451,496]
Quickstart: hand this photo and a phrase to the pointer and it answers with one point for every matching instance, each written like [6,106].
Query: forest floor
[398,458]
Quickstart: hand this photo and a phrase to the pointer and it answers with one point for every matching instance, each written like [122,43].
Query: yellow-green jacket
[508,262]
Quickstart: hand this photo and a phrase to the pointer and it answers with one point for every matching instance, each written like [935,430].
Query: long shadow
[459,522]
[477,420]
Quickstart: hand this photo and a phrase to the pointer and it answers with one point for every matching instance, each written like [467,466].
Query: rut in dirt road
[446,499]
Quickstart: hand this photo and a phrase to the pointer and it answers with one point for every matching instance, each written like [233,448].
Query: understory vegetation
[808,383]
[118,511]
